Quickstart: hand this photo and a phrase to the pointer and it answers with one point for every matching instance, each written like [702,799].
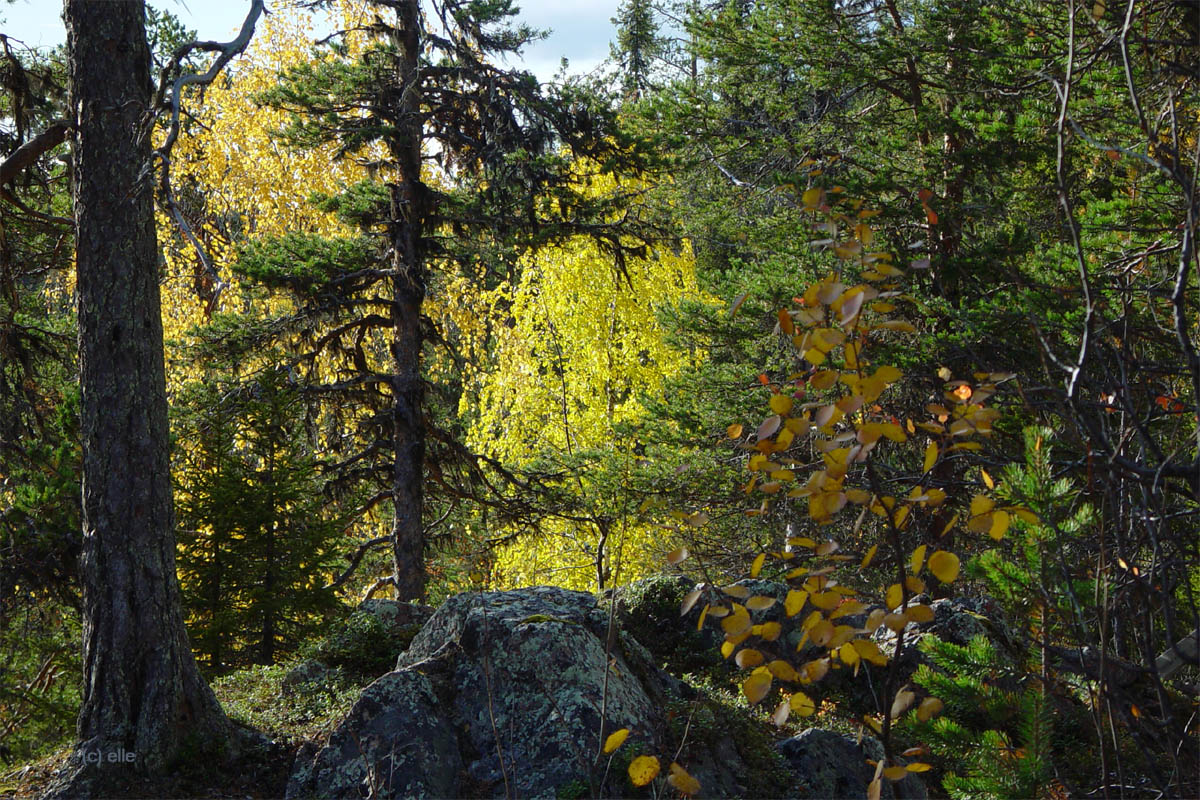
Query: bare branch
[225,52]
[32,150]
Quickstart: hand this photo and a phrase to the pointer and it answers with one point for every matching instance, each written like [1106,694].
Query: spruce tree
[257,541]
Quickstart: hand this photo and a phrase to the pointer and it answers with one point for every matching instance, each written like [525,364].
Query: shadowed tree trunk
[408,212]
[142,695]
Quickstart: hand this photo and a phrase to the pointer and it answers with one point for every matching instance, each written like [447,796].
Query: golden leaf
[757,685]
[944,566]
[681,780]
[794,602]
[802,705]
[643,769]
[929,708]
[748,658]
[615,740]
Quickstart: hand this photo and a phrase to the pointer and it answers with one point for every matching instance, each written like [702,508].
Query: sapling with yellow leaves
[834,442]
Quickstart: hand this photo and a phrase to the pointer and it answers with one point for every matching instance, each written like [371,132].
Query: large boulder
[500,694]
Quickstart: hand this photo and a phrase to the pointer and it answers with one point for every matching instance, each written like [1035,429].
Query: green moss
[651,615]
[254,696]
[573,790]
[361,644]
[717,716]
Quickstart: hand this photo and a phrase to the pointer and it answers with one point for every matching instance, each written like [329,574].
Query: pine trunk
[407,218]
[143,696]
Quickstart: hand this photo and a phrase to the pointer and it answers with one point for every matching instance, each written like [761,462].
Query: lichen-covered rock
[500,694]
[395,742]
[830,765]
[532,682]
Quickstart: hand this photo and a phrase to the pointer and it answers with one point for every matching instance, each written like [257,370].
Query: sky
[580,29]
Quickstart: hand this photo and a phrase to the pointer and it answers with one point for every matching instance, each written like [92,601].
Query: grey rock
[831,766]
[394,743]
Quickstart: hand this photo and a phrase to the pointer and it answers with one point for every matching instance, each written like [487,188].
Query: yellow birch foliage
[234,181]
[576,348]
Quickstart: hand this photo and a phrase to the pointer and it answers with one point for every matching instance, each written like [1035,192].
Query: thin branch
[225,52]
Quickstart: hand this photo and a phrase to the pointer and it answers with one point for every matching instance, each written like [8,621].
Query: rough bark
[143,697]
[408,212]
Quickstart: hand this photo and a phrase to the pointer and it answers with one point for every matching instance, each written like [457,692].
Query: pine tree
[476,164]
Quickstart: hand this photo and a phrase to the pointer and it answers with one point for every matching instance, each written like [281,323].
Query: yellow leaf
[643,769]
[757,685]
[848,654]
[676,556]
[944,566]
[783,671]
[918,560]
[760,602]
[802,705]
[870,555]
[919,613]
[987,479]
[689,600]
[1025,515]
[869,651]
[931,454]
[812,197]
[740,592]
[981,504]
[894,596]
[748,658]
[929,708]
[780,403]
[826,601]
[999,526]
[615,740]
[681,780]
[888,374]
[703,616]
[757,566]
[918,766]
[734,431]
[770,631]
[895,773]
[824,379]
[794,602]
[736,623]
